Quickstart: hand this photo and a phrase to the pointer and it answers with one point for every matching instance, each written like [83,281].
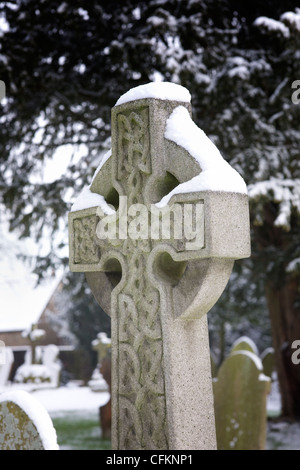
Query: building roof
[22,300]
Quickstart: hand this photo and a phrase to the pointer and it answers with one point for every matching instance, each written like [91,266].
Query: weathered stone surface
[157,290]
[24,423]
[240,392]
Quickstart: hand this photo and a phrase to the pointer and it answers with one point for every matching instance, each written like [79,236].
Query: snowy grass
[79,431]
[281,435]
[75,415]
[74,412]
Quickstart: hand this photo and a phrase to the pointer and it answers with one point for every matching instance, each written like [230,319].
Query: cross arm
[202,267]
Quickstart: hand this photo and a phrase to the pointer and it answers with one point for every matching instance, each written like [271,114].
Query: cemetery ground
[74,413]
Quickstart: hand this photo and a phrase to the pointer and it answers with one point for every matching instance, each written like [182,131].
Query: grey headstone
[24,423]
[240,392]
[244,343]
[268,361]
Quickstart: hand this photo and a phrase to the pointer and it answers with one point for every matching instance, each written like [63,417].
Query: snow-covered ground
[82,400]
[64,399]
[281,435]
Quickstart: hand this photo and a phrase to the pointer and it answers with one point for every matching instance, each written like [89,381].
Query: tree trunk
[285,325]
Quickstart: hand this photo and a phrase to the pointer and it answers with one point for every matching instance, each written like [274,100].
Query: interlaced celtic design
[141,400]
[86,249]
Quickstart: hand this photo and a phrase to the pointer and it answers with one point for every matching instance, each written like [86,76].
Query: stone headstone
[240,392]
[25,423]
[213,365]
[244,343]
[37,374]
[268,361]
[102,345]
[157,233]
[6,362]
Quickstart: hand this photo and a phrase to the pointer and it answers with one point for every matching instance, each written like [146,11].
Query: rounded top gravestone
[25,423]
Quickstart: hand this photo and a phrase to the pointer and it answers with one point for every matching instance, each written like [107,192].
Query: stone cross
[157,288]
[101,344]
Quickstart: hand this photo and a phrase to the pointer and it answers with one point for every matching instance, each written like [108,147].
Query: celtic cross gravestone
[157,233]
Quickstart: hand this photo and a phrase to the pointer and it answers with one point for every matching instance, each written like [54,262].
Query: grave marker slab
[157,233]
[25,423]
[244,343]
[268,361]
[240,392]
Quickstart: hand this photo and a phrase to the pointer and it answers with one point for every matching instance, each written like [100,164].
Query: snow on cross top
[159,90]
[216,174]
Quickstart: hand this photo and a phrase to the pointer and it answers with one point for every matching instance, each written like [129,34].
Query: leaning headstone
[24,423]
[268,361]
[240,392]
[213,365]
[244,343]
[157,233]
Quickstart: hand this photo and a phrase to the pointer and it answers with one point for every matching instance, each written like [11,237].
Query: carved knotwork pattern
[141,395]
[133,148]
[86,249]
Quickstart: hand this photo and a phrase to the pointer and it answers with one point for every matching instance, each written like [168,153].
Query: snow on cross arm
[216,174]
[159,90]
[87,198]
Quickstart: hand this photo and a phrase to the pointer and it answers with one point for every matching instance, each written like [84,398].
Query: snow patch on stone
[216,174]
[159,90]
